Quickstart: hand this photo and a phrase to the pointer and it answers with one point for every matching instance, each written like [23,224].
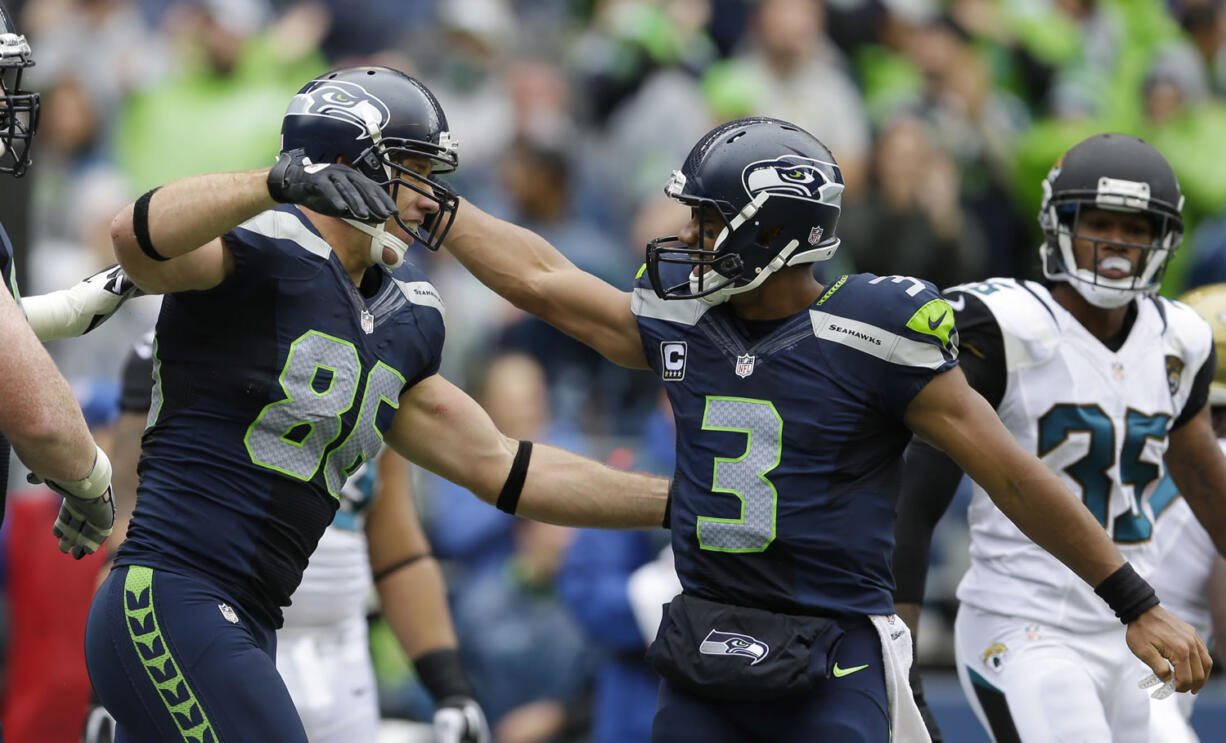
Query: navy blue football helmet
[1118,173]
[777,192]
[18,108]
[372,118]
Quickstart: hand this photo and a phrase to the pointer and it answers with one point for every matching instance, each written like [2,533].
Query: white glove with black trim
[88,512]
[460,720]
[75,311]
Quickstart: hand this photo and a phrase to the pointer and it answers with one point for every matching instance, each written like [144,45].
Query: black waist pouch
[737,653]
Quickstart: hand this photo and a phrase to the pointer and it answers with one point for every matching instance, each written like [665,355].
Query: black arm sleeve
[1200,389]
[982,348]
[930,479]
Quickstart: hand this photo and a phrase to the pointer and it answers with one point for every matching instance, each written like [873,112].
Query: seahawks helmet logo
[344,101]
[793,176]
[732,643]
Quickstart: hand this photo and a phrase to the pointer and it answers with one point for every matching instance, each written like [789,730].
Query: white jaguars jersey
[337,580]
[1099,419]
[1186,558]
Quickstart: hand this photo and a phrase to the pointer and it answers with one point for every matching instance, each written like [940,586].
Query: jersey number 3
[294,436]
[1090,472]
[744,476]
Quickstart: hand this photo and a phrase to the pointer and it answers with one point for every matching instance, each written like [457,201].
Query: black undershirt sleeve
[1200,389]
[930,478]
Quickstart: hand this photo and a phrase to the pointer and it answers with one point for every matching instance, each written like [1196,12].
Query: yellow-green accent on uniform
[160,665]
[936,318]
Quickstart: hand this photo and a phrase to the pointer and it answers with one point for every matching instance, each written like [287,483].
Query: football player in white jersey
[1191,575]
[1107,383]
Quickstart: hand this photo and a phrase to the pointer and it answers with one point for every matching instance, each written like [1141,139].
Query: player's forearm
[40,416]
[1039,504]
[565,488]
[512,261]
[414,603]
[186,214]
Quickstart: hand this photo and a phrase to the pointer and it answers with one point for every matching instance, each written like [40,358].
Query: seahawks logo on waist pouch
[738,653]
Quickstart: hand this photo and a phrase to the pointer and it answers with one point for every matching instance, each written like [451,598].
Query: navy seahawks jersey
[790,436]
[269,391]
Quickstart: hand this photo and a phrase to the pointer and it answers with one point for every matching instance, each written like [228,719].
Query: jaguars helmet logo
[793,176]
[345,101]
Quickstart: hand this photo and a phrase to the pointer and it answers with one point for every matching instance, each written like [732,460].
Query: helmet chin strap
[380,239]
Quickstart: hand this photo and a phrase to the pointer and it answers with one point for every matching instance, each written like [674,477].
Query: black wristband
[1128,594]
[140,225]
[667,521]
[443,675]
[508,499]
[382,573]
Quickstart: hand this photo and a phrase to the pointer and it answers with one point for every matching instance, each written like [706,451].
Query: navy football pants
[848,709]
[174,659]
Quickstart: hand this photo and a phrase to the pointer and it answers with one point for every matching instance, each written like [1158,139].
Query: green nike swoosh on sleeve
[841,672]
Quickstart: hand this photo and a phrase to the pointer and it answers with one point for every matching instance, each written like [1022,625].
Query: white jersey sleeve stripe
[876,341]
[285,226]
[422,293]
[645,303]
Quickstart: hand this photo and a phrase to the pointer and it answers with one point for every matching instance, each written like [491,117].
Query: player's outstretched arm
[531,274]
[1198,468]
[413,598]
[955,418]
[168,239]
[441,428]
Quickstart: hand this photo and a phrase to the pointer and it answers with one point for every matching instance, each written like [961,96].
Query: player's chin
[395,229]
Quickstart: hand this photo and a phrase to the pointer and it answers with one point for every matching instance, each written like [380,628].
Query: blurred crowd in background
[943,114]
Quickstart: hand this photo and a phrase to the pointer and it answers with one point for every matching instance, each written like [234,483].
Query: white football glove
[75,311]
[460,720]
[88,512]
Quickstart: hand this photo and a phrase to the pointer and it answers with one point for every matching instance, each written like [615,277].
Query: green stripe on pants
[154,654]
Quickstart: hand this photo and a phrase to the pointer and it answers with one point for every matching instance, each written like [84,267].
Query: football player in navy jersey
[293,342]
[39,415]
[323,651]
[793,403]
[1107,382]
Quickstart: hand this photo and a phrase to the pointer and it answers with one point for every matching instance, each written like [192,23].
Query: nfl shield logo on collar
[744,365]
[368,322]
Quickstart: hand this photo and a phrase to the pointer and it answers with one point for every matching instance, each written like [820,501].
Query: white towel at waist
[906,724]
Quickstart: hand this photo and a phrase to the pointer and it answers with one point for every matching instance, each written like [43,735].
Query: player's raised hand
[88,512]
[460,720]
[1157,636]
[332,189]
